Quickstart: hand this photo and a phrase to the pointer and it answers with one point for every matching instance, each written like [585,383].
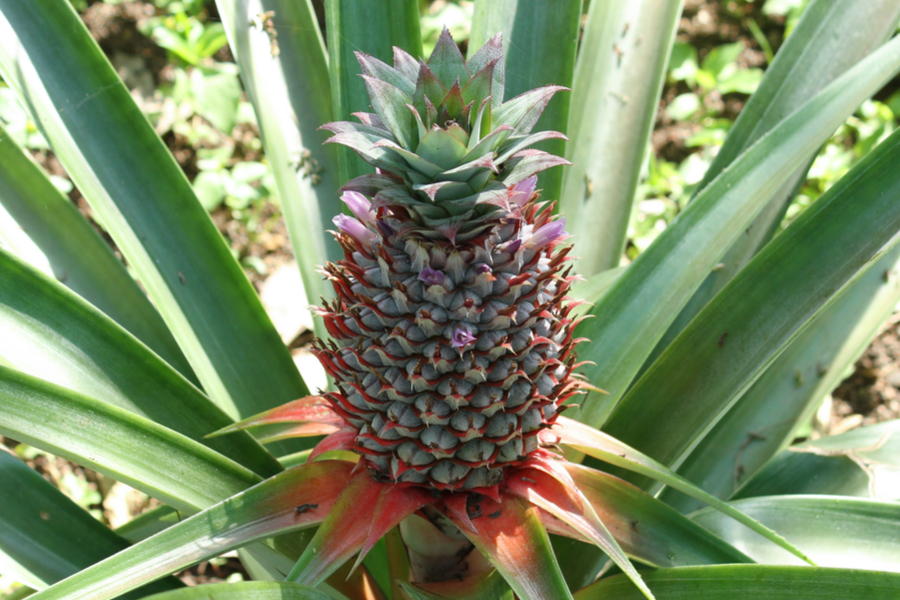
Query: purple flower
[547,233]
[522,191]
[512,247]
[482,269]
[353,228]
[359,206]
[461,337]
[431,276]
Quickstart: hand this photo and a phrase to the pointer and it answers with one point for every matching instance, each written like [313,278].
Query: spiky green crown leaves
[446,146]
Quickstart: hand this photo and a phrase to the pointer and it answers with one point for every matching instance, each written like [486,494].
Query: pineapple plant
[483,438]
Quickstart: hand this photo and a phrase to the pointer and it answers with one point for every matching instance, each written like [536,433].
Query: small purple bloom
[431,276]
[547,233]
[522,191]
[461,337]
[513,246]
[353,228]
[359,206]
[482,269]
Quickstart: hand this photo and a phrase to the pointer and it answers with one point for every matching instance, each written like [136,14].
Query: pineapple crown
[447,149]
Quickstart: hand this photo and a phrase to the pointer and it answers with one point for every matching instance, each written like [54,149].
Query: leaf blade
[618,81]
[633,314]
[99,133]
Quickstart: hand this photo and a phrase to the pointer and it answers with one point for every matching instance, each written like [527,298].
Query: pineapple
[451,345]
[451,332]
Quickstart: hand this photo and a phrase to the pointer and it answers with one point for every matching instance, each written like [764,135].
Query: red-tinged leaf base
[305,417]
[365,511]
[509,533]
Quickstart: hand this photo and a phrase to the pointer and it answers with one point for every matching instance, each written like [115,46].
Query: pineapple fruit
[451,331]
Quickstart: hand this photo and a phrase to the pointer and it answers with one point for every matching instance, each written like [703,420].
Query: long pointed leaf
[101,136]
[540,45]
[164,464]
[291,500]
[618,80]
[373,28]
[647,529]
[49,332]
[248,590]
[80,259]
[861,462]
[291,95]
[829,39]
[610,450]
[752,582]
[46,536]
[849,533]
[746,326]
[763,420]
[634,314]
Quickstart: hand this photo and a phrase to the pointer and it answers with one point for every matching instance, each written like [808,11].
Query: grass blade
[618,80]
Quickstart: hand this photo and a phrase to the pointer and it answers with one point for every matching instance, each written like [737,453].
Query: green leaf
[150,522]
[48,332]
[763,420]
[851,533]
[259,512]
[608,449]
[744,81]
[618,81]
[80,259]
[831,38]
[649,530]
[370,27]
[720,57]
[216,97]
[45,537]
[250,590]
[291,97]
[100,135]
[683,107]
[802,473]
[861,462]
[633,315]
[182,473]
[594,286]
[540,48]
[741,332]
[751,582]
